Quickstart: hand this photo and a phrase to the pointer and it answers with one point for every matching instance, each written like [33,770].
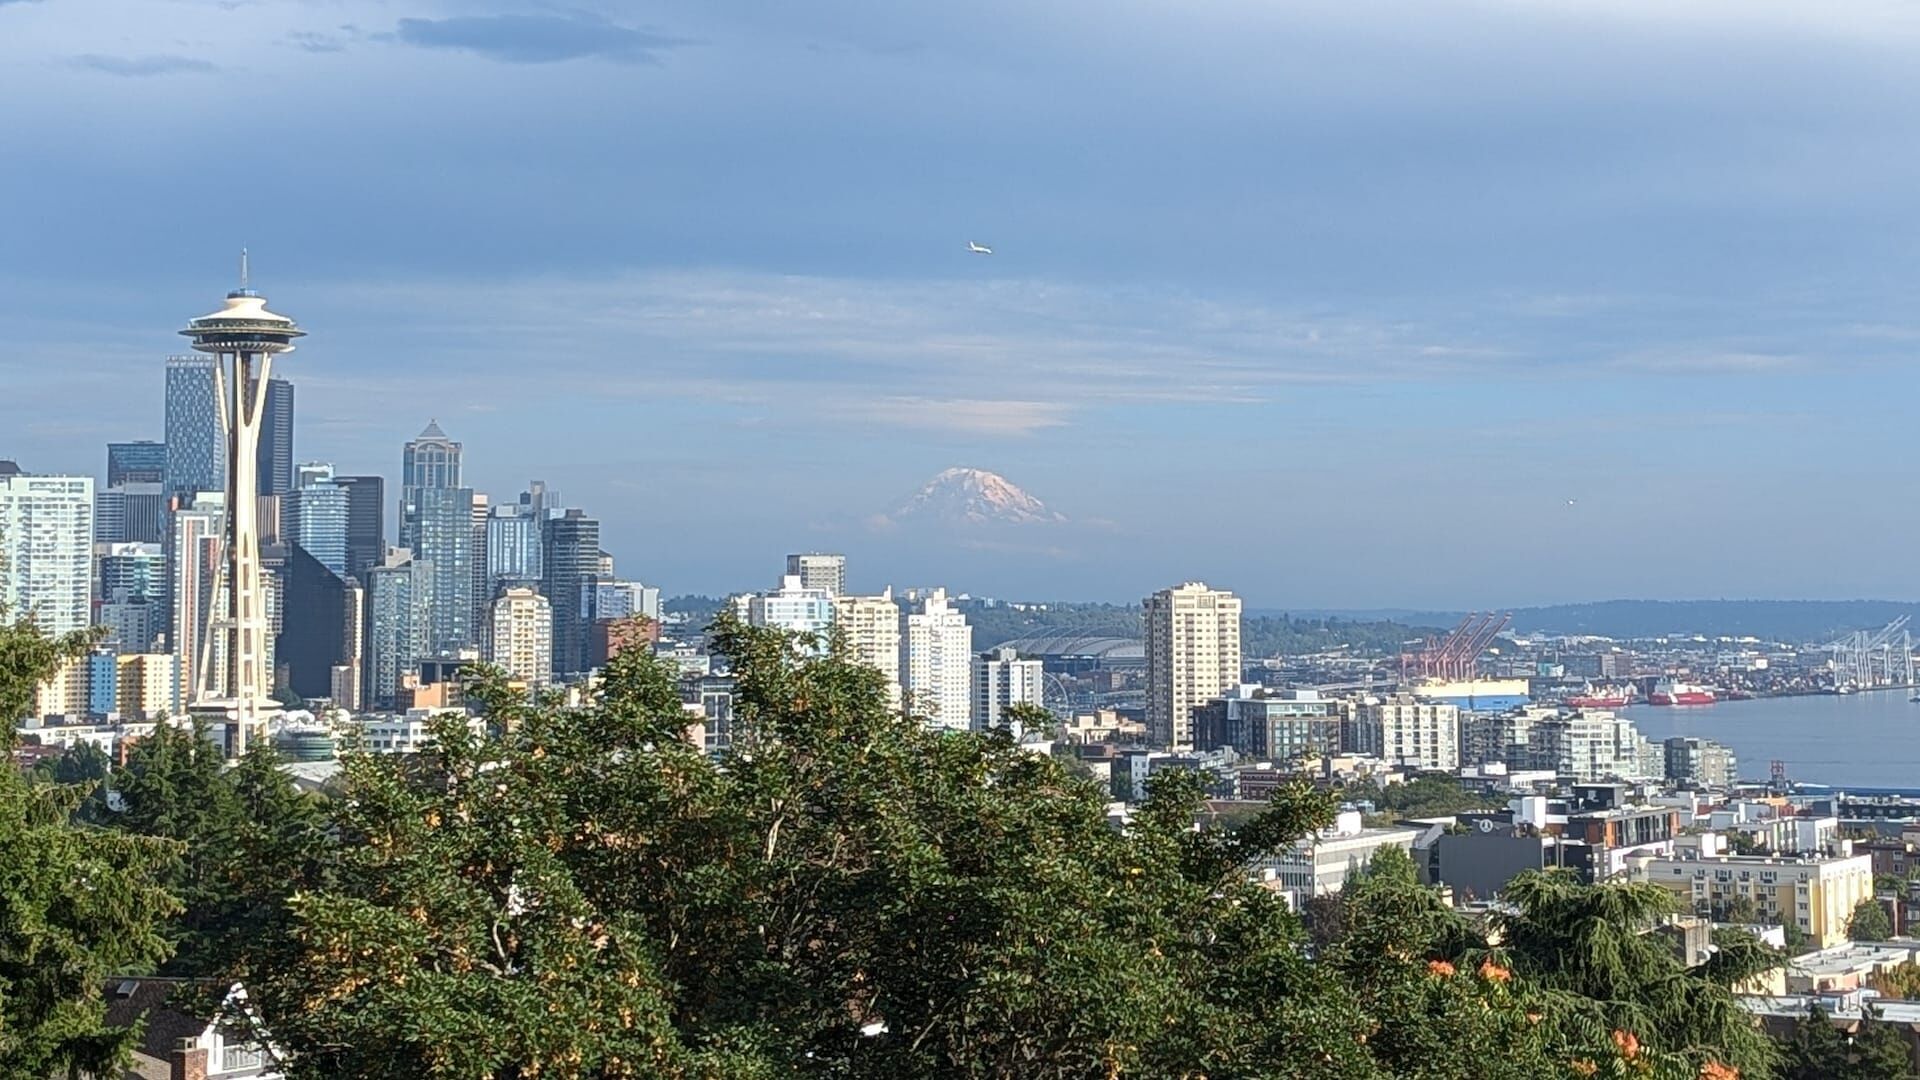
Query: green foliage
[27,659]
[76,905]
[1590,947]
[1737,909]
[1285,635]
[845,893]
[1423,796]
[1819,1050]
[245,838]
[83,763]
[1025,717]
[1869,921]
[1001,623]
[1902,981]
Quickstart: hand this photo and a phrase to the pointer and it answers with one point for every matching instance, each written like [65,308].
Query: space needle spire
[232,689]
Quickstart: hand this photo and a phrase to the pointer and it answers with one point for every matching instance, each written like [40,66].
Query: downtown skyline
[1228,330]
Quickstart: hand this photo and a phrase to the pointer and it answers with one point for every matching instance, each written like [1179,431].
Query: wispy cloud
[1706,361]
[927,344]
[318,41]
[538,39]
[967,416]
[141,67]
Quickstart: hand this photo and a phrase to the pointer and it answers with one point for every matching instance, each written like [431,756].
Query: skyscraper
[482,587]
[366,521]
[46,550]
[314,517]
[313,642]
[132,590]
[130,512]
[513,545]
[522,636]
[1001,679]
[193,566]
[139,462]
[398,626]
[196,454]
[1193,656]
[443,538]
[870,628]
[936,663]
[242,337]
[431,460]
[570,555]
[275,458]
[817,570]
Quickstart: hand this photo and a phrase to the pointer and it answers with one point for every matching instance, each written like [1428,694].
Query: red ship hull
[1598,701]
[1684,697]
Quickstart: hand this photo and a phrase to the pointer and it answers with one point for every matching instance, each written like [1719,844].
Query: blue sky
[1333,304]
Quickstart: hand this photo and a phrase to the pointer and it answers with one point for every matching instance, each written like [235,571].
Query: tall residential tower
[1193,656]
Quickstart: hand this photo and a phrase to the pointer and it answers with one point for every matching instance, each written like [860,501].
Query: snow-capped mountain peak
[975,496]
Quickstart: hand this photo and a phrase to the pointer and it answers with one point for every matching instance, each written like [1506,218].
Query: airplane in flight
[979,249]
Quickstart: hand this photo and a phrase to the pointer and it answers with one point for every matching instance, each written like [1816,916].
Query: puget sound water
[1864,740]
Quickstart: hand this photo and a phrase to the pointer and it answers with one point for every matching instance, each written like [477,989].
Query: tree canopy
[581,892]
[1869,921]
[77,905]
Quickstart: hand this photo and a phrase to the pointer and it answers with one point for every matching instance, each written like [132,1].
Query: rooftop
[1845,1006]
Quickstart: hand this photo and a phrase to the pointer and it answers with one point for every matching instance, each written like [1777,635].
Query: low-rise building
[1816,894]
[1320,864]
[404,734]
[1848,966]
[1287,727]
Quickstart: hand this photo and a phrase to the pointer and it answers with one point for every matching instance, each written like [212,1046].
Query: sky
[1411,303]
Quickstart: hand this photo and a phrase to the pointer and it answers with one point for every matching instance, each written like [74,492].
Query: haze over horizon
[1335,307]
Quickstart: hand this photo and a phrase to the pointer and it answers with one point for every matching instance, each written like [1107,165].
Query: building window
[236,1057]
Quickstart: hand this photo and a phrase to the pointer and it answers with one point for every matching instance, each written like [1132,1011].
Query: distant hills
[1383,630]
[1796,621]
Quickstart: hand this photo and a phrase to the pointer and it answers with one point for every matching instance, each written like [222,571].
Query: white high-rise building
[46,550]
[1594,744]
[936,663]
[792,607]
[871,629]
[1193,656]
[523,636]
[193,570]
[1407,732]
[819,570]
[1002,679]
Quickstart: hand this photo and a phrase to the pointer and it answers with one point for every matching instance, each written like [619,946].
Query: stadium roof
[1108,649]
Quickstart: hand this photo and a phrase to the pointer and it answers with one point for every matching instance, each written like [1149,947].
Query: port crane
[1866,659]
[1457,654]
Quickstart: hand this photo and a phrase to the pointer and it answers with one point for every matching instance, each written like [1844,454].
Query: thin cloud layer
[142,67]
[537,39]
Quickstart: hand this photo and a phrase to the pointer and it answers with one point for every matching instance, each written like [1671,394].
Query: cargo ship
[1669,692]
[1605,697]
[1475,695]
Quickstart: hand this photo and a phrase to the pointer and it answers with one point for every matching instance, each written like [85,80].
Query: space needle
[244,337]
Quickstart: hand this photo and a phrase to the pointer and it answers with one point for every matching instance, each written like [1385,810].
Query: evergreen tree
[1869,921]
[77,905]
[1820,1050]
